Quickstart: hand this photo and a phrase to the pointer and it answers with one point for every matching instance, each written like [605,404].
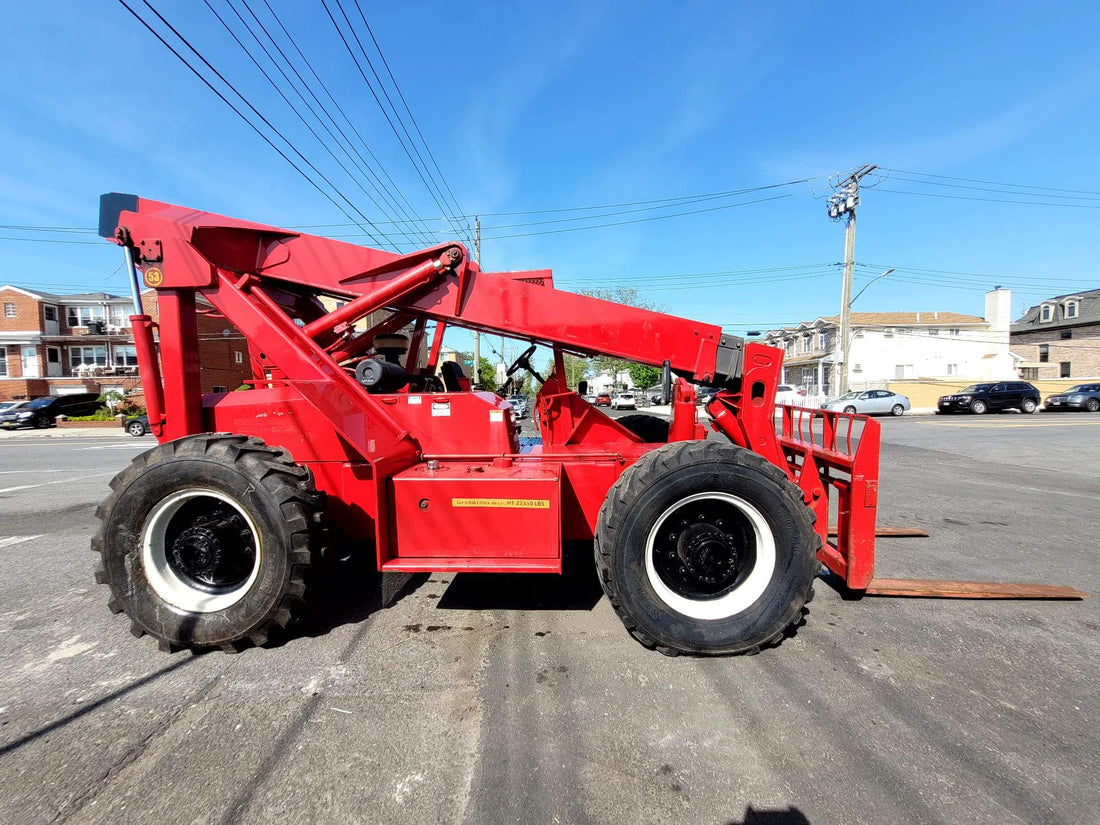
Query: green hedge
[99,415]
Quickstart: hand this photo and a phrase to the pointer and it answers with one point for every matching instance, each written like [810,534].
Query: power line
[404,102]
[362,141]
[989,189]
[995,183]
[50,240]
[988,200]
[242,116]
[293,108]
[374,94]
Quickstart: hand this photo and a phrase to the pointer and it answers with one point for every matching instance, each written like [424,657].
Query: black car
[42,412]
[137,426]
[993,397]
[1081,397]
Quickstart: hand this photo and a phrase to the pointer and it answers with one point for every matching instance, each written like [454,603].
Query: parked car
[992,397]
[519,406]
[624,401]
[591,399]
[870,402]
[603,399]
[1081,397]
[8,406]
[137,426]
[786,394]
[42,412]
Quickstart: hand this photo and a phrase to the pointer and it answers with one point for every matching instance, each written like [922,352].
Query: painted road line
[11,541]
[111,447]
[999,425]
[48,483]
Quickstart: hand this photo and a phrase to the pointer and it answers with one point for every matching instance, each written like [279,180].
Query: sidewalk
[67,432]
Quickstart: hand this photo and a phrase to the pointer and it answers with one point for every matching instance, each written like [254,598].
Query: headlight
[963,397]
[25,415]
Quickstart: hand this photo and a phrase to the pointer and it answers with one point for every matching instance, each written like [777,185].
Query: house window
[92,356]
[1029,373]
[3,362]
[1044,353]
[823,340]
[218,388]
[857,368]
[125,356]
[953,331]
[1066,334]
[933,331]
[238,358]
[80,316]
[1063,369]
[952,369]
[9,309]
[1046,313]
[50,313]
[1071,309]
[903,371]
[119,317]
[889,332]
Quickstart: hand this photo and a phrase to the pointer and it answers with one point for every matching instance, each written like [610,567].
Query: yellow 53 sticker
[153,277]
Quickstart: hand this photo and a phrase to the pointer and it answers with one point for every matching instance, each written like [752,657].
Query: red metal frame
[406,466]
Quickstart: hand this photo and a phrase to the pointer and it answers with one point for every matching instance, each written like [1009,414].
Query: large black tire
[650,428]
[208,541]
[749,603]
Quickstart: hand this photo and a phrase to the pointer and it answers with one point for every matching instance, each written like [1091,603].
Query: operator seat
[454,379]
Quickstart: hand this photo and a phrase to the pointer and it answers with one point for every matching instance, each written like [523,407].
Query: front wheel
[1028,406]
[207,541]
[136,429]
[41,423]
[897,409]
[706,548]
[978,407]
[1092,405]
[850,409]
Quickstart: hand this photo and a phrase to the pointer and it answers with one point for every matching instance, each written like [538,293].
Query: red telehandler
[354,424]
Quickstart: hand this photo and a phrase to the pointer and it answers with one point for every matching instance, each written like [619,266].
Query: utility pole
[843,202]
[477,335]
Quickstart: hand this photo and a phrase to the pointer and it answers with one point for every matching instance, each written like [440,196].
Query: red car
[603,399]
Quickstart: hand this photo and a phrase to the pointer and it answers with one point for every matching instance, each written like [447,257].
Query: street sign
[469,362]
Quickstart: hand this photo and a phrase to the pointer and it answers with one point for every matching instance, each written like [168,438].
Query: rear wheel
[649,428]
[136,429]
[978,407]
[706,548]
[1092,405]
[208,541]
[1028,406]
[897,409]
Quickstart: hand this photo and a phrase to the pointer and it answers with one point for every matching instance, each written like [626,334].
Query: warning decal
[507,503]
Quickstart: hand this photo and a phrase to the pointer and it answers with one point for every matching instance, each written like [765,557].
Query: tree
[487,372]
[642,375]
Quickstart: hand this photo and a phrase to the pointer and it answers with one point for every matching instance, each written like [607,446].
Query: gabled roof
[1088,312]
[889,319]
[30,293]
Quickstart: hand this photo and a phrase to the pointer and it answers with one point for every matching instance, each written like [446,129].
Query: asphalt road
[519,699]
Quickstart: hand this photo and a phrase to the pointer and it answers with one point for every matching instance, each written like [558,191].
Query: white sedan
[871,402]
[624,401]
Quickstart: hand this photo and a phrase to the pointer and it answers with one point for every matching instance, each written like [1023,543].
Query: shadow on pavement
[91,706]
[788,816]
[577,588]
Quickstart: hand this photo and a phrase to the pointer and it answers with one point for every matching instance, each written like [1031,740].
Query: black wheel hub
[210,545]
[705,549]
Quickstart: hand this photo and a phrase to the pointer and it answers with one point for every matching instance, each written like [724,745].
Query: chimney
[918,316]
[936,315]
[998,314]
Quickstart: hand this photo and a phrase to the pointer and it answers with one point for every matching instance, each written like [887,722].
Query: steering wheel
[524,362]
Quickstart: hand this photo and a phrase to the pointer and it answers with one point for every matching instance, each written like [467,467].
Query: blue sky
[542,106]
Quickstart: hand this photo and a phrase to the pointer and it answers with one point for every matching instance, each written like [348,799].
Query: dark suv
[993,397]
[41,412]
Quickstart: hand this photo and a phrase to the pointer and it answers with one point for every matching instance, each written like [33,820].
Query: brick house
[57,344]
[1059,338]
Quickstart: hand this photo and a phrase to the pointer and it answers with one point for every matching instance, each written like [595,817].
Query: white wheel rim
[165,581]
[742,597]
